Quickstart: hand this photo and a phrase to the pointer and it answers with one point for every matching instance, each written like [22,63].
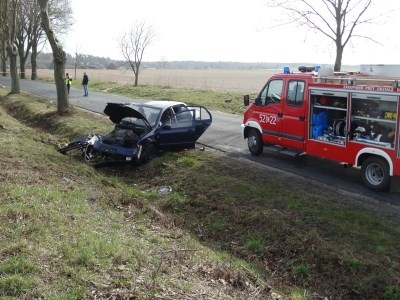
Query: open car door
[202,120]
[184,128]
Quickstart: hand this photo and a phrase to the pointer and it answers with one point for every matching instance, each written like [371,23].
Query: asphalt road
[225,135]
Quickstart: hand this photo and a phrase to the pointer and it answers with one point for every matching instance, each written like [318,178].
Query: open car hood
[118,111]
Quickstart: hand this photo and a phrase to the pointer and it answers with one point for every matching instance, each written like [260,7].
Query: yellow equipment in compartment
[390,115]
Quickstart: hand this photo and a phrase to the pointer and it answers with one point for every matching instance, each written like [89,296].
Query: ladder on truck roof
[358,80]
[327,75]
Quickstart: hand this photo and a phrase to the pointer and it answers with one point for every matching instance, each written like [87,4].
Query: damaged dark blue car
[142,131]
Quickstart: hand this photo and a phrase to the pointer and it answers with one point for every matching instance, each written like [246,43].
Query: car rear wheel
[254,142]
[375,173]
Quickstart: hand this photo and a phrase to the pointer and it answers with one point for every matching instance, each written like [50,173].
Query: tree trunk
[12,54]
[137,68]
[4,60]
[33,61]
[12,51]
[339,55]
[59,57]
[22,60]
[59,71]
[23,56]
[22,69]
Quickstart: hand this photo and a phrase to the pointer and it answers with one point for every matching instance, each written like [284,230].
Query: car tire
[149,153]
[254,142]
[375,173]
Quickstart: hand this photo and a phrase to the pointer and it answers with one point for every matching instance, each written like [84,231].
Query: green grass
[253,244]
[227,229]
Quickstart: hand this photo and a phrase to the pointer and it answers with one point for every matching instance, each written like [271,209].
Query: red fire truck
[350,119]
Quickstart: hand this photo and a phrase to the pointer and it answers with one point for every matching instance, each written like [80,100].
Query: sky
[225,30]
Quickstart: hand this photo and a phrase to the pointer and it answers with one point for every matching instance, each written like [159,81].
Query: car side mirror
[246,100]
[257,101]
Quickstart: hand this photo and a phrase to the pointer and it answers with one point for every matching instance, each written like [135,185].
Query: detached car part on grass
[142,131]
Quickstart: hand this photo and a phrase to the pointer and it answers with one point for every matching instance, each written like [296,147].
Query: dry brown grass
[244,81]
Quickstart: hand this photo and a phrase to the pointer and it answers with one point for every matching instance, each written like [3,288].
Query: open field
[244,81]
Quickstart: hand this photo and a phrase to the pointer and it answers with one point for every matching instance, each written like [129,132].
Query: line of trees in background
[45,61]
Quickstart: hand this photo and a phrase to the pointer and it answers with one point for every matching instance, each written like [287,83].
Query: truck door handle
[280,115]
[302,118]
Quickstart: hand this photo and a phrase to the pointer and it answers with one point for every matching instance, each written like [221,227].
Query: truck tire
[254,142]
[375,173]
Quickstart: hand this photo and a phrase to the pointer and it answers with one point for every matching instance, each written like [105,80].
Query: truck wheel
[375,173]
[254,142]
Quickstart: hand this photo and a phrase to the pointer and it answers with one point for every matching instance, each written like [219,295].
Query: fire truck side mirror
[246,100]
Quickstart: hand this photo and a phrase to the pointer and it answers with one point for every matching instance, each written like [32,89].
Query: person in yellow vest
[68,81]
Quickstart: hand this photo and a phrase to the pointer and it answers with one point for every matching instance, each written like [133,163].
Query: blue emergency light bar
[302,69]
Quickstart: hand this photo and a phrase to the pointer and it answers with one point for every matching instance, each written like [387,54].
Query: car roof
[163,103]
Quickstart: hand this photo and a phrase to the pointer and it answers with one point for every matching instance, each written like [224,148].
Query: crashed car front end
[97,148]
[94,149]
[123,144]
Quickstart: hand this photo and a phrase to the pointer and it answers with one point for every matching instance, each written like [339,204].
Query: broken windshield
[150,113]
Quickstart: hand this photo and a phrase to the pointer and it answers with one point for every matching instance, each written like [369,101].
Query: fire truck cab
[350,119]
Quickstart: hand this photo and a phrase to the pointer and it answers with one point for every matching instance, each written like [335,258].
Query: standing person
[68,82]
[85,82]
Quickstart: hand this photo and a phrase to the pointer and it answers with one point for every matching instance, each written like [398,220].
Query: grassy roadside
[227,230]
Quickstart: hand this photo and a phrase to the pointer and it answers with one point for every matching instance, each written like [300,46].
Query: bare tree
[335,19]
[134,43]
[163,62]
[59,57]
[31,35]
[23,36]
[37,39]
[78,59]
[9,24]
